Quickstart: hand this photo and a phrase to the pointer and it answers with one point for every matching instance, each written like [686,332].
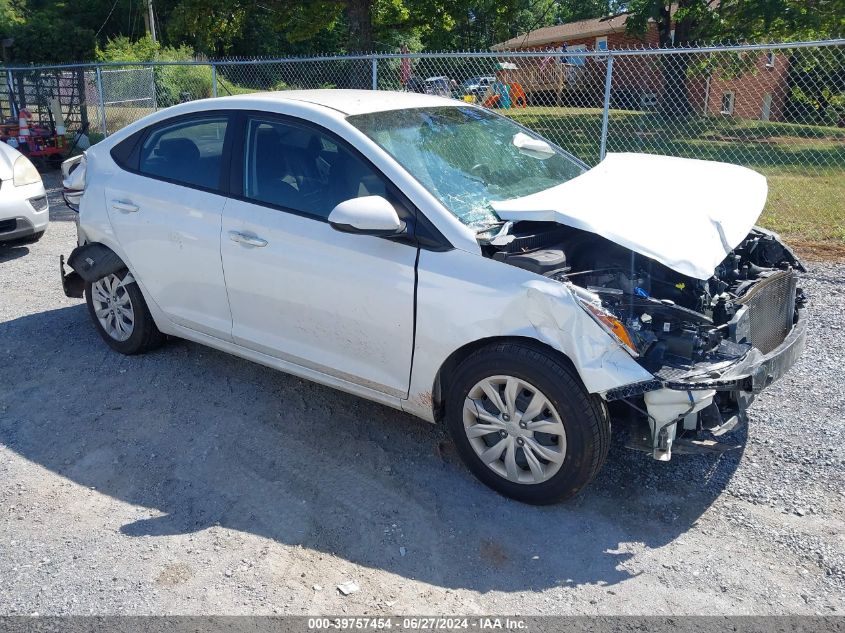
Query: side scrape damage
[602,364]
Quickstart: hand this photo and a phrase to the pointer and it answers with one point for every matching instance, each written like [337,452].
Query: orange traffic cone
[23,129]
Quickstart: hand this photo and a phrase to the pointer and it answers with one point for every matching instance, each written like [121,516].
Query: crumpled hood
[686,214]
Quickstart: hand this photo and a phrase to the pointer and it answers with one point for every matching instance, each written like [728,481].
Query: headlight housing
[611,325]
[24,172]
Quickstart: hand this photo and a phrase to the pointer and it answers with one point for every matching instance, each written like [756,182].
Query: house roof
[562,32]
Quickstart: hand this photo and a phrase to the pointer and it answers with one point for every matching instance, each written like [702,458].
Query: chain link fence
[779,109]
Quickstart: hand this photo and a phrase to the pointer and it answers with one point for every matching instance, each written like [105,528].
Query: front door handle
[249,240]
[123,206]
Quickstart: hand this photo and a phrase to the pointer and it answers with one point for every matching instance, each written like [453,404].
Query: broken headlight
[611,324]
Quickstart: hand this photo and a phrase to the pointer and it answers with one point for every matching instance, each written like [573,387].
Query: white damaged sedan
[441,259]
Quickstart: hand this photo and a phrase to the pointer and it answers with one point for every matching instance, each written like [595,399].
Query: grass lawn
[805,164]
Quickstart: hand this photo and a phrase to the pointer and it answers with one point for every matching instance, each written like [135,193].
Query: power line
[538,20]
[107,19]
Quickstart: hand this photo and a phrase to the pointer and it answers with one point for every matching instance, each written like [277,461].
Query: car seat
[272,171]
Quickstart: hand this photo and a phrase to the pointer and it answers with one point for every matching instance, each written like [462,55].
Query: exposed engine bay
[677,327]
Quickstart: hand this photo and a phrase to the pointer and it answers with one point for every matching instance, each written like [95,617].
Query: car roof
[351,102]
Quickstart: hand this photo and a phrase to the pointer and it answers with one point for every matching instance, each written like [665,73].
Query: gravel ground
[187,481]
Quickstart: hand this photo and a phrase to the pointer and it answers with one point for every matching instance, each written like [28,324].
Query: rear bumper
[72,284]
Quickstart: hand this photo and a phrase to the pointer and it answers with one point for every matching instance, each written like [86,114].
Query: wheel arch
[106,259]
[95,260]
[462,353]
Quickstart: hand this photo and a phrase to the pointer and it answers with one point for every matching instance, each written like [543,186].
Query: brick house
[638,81]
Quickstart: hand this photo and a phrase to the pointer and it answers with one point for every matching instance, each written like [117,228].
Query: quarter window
[188,152]
[298,168]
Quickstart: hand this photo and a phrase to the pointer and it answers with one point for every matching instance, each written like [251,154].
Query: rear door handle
[250,240]
[123,206]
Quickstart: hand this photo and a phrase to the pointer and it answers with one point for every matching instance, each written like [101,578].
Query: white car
[24,210]
[440,259]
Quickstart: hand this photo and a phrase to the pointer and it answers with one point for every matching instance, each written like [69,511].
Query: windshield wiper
[502,236]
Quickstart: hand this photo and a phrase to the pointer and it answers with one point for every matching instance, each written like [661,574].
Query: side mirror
[533,147]
[369,215]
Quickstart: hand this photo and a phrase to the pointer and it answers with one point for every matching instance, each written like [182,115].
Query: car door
[166,207]
[338,303]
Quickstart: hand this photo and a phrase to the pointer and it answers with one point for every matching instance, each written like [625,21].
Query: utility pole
[149,20]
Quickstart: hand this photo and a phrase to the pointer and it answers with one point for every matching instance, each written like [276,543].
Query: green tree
[683,23]
[46,32]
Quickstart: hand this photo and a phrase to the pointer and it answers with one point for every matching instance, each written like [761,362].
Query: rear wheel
[120,314]
[524,424]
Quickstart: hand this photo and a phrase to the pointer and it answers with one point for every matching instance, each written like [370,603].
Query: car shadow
[12,250]
[208,439]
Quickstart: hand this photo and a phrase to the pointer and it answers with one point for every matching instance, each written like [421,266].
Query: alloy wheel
[113,307]
[514,429]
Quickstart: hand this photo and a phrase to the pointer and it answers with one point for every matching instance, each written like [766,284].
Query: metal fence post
[213,80]
[10,85]
[606,107]
[375,72]
[153,88]
[102,102]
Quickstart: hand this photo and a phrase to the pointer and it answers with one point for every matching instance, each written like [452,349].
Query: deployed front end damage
[709,345]
[711,309]
[713,345]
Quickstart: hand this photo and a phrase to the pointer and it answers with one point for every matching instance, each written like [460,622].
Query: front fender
[463,298]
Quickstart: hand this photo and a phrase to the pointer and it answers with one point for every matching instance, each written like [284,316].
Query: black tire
[584,420]
[145,335]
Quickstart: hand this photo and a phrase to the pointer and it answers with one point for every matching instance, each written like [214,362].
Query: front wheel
[524,424]
[120,314]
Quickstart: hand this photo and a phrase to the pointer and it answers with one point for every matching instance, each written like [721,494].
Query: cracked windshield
[468,157]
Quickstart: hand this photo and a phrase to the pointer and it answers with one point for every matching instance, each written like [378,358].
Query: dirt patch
[174,574]
[820,251]
[493,553]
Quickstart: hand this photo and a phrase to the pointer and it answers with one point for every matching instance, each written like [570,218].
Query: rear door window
[187,152]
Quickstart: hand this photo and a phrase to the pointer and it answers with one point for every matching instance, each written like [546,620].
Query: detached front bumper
[750,374]
[712,398]
[755,371]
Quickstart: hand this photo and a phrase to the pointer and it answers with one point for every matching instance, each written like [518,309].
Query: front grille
[771,309]
[7,226]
